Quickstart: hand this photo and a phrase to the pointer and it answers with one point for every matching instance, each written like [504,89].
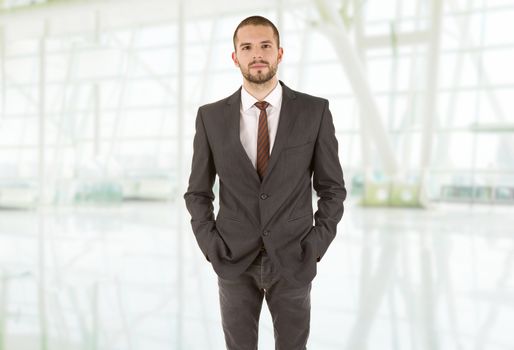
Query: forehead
[255,33]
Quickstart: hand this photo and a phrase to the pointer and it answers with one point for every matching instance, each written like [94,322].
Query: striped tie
[262,140]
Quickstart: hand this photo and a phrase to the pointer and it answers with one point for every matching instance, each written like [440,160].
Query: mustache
[258,62]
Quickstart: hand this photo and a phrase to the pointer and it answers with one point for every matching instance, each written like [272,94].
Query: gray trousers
[241,302]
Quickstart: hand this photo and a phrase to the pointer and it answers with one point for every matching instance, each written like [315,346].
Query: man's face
[257,54]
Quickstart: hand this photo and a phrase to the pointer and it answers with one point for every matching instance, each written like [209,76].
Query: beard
[259,77]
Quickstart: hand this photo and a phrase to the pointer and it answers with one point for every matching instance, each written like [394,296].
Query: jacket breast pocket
[298,158]
[301,148]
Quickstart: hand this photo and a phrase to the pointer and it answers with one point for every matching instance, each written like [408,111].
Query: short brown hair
[257,21]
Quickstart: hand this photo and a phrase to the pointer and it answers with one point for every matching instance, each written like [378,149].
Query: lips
[259,65]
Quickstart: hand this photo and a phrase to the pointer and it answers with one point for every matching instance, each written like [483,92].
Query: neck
[260,91]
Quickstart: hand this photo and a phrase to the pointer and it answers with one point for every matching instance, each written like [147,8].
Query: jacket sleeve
[328,183]
[199,196]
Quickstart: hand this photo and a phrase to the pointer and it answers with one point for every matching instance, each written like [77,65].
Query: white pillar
[42,117]
[180,169]
[430,106]
[42,193]
[2,71]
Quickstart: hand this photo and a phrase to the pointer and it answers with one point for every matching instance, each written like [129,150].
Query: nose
[257,53]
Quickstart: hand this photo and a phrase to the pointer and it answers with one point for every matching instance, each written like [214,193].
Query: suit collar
[235,98]
[274,98]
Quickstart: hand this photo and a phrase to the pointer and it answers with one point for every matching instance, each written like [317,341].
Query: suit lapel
[233,114]
[285,125]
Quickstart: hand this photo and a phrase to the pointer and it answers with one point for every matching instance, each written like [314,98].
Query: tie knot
[262,105]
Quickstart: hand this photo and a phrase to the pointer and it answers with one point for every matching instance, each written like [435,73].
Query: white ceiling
[69,16]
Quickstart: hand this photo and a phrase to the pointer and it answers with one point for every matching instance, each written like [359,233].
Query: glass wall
[104,103]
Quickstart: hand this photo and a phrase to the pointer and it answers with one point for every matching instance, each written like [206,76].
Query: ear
[280,54]
[234,58]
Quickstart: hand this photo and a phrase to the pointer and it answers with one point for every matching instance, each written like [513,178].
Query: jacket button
[264,196]
[266,233]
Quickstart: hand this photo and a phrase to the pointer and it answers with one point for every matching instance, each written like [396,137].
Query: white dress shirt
[249,122]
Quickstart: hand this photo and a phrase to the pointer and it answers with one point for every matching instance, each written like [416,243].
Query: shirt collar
[274,98]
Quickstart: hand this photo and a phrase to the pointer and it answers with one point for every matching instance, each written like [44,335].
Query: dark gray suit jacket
[276,212]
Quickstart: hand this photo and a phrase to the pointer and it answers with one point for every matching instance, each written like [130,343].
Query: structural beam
[334,28]
[401,39]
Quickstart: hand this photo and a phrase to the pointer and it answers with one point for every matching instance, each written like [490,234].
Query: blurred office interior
[98,101]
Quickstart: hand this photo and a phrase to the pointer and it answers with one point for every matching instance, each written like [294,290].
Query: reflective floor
[131,277]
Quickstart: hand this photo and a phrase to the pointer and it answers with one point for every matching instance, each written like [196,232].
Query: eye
[245,47]
[266,46]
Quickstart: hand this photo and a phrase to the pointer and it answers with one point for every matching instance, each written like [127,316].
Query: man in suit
[265,142]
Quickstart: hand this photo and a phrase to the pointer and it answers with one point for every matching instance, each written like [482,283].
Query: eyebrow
[262,42]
